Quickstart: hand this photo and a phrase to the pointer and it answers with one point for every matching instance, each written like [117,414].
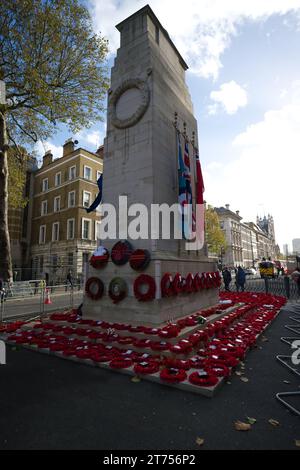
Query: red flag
[199,182]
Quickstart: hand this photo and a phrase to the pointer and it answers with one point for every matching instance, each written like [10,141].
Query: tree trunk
[5,254]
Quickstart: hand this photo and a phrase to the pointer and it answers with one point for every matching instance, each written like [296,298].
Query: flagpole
[177,167]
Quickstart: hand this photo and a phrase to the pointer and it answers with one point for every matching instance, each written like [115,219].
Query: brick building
[63,234]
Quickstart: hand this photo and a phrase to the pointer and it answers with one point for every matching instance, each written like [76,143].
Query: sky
[244,80]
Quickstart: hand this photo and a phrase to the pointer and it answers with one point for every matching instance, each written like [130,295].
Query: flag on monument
[188,184]
[199,183]
[98,199]
[181,182]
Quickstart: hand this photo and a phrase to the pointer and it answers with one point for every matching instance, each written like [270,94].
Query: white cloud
[90,138]
[266,170]
[41,148]
[229,97]
[202,30]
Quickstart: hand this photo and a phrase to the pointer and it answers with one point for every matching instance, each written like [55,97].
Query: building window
[87,173]
[45,185]
[55,232]
[72,172]
[70,229]
[97,230]
[41,264]
[42,235]
[57,179]
[86,229]
[71,199]
[86,199]
[57,204]
[44,207]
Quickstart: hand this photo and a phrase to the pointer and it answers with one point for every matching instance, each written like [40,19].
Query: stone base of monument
[158,310]
[96,344]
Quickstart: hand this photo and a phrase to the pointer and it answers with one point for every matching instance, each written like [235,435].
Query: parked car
[250,271]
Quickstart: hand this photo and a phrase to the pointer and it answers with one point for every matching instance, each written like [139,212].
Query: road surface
[32,305]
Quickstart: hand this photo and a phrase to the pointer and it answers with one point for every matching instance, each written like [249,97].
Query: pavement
[50,403]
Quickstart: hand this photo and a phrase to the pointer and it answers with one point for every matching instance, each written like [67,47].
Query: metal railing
[39,302]
[283,285]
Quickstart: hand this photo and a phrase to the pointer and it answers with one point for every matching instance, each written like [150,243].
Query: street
[32,305]
[50,403]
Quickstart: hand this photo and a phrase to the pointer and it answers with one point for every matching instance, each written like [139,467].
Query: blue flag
[98,199]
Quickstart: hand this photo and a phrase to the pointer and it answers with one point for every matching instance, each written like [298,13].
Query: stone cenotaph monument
[148,89]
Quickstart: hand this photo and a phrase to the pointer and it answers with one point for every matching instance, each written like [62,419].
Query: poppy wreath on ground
[226,358]
[159,346]
[166,285]
[203,379]
[99,261]
[121,252]
[146,367]
[121,363]
[139,259]
[217,368]
[173,375]
[117,290]
[170,331]
[94,281]
[141,343]
[177,363]
[139,284]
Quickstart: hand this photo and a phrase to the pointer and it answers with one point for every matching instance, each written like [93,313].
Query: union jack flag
[188,183]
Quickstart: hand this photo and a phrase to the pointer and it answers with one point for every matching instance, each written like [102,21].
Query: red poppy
[173,375]
[146,367]
[203,379]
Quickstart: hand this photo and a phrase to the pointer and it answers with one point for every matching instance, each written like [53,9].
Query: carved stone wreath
[143,88]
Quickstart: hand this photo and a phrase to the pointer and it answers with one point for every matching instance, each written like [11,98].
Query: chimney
[47,158]
[68,146]
[227,206]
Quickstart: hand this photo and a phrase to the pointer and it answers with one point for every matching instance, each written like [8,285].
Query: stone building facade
[63,234]
[247,242]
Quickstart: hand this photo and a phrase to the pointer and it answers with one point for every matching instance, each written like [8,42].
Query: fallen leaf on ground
[238,372]
[240,426]
[228,383]
[251,420]
[199,441]
[286,382]
[135,379]
[244,379]
[274,422]
[297,442]
[264,339]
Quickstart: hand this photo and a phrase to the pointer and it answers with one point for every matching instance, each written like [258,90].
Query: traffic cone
[48,300]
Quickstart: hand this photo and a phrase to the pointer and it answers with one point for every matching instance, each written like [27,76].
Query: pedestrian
[296,278]
[69,280]
[240,279]
[227,278]
[2,291]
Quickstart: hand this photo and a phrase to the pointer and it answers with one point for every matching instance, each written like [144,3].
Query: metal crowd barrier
[280,286]
[40,302]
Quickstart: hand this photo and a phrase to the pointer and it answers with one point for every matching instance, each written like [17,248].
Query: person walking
[227,279]
[240,279]
[69,280]
[296,278]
